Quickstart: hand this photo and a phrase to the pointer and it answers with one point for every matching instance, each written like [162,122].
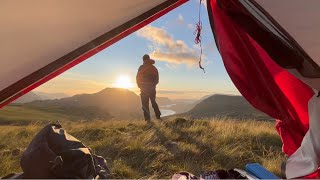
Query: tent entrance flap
[271,68]
[55,36]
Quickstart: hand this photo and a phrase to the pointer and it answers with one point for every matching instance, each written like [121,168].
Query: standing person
[147,80]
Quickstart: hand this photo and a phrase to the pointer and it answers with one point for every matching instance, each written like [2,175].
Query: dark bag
[53,153]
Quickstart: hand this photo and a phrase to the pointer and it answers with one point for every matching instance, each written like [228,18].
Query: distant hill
[185,105]
[164,101]
[110,102]
[45,95]
[35,95]
[235,107]
[31,96]
[124,104]
[185,101]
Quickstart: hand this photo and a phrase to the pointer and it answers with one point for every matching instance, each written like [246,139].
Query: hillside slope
[217,105]
[44,95]
[29,97]
[35,95]
[19,114]
[134,149]
[113,102]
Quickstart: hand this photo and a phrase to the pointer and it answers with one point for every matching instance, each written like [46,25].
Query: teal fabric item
[260,172]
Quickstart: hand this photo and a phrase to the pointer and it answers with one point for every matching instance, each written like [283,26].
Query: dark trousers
[145,96]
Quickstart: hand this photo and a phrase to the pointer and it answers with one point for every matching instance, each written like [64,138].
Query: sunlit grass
[135,149]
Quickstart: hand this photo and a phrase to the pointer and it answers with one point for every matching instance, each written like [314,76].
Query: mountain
[123,104]
[110,102]
[185,101]
[163,101]
[31,96]
[44,95]
[176,105]
[235,107]
[184,105]
[35,95]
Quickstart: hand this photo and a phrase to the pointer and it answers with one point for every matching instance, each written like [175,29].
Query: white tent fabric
[312,82]
[300,19]
[306,159]
[35,33]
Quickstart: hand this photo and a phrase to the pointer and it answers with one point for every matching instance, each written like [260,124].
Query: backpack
[53,153]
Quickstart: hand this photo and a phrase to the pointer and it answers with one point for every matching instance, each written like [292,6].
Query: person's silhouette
[147,80]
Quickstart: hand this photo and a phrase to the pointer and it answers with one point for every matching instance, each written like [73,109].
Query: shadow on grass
[164,154]
[222,156]
[207,152]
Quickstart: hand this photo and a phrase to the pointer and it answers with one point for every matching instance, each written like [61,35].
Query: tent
[269,48]
[41,39]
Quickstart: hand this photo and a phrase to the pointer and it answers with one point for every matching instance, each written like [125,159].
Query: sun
[124,82]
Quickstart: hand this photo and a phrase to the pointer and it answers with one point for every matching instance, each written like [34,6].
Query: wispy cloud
[171,66]
[204,2]
[167,49]
[71,86]
[180,19]
[191,94]
[191,26]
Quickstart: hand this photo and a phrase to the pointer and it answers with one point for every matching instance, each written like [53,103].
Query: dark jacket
[147,76]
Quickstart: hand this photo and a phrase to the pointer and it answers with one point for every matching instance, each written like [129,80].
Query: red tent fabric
[266,85]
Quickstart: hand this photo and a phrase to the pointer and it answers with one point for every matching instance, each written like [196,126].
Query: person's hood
[151,61]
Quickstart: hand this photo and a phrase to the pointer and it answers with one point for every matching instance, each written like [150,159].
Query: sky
[170,42]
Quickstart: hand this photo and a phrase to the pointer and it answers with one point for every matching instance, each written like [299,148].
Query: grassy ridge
[22,115]
[134,149]
[19,114]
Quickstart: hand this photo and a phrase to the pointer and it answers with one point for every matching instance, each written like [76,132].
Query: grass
[135,149]
[19,114]
[22,115]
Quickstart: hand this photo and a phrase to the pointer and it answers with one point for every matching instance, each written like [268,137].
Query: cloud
[167,49]
[171,66]
[180,19]
[191,26]
[204,3]
[71,86]
[208,62]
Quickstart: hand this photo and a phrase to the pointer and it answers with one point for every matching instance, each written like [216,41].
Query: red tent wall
[266,85]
